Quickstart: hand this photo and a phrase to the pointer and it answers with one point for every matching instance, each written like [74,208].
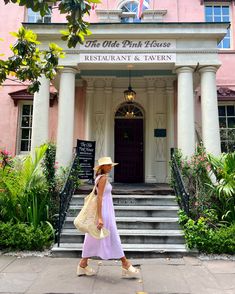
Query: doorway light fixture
[129,94]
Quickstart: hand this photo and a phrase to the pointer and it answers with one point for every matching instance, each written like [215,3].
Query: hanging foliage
[28,63]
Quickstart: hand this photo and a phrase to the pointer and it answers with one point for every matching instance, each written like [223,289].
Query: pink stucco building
[178,57]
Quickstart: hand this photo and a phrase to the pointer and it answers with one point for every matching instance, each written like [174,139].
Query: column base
[150,179]
[168,179]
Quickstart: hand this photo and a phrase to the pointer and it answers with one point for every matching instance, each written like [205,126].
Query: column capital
[150,81]
[170,86]
[108,85]
[90,83]
[160,83]
[79,83]
[184,69]
[67,69]
[208,68]
[150,84]
[108,82]
[170,82]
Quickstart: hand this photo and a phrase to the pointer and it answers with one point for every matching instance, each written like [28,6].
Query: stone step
[163,223]
[133,200]
[132,189]
[131,250]
[135,211]
[132,236]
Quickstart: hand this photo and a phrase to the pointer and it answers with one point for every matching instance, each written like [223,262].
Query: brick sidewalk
[188,275]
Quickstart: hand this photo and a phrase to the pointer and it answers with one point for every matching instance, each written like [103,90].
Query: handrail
[198,136]
[66,195]
[178,184]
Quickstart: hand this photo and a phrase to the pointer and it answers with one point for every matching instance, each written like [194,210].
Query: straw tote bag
[86,220]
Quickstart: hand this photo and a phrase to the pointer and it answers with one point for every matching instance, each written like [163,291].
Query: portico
[166,60]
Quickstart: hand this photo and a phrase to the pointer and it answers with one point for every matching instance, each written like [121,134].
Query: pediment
[20,95]
[225,94]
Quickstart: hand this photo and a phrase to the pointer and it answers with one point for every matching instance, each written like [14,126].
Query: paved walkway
[186,275]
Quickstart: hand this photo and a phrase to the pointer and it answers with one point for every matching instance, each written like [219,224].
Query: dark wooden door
[129,150]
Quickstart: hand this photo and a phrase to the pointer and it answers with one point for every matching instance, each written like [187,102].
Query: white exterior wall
[104,134]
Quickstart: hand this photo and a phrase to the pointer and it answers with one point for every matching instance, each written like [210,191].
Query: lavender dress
[109,247]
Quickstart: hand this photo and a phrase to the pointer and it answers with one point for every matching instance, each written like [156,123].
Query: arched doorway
[129,145]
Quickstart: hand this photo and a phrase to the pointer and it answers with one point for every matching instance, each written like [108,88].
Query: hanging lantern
[129,94]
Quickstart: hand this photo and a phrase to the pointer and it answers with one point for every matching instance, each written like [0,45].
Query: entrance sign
[123,58]
[128,44]
[128,51]
[86,155]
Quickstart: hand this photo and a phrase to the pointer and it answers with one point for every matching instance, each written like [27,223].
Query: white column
[209,109]
[185,115]
[64,149]
[89,113]
[150,143]
[108,110]
[40,123]
[170,122]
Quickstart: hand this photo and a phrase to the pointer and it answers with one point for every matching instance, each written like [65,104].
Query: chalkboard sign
[160,133]
[86,155]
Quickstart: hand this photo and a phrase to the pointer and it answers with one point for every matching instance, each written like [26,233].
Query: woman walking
[108,247]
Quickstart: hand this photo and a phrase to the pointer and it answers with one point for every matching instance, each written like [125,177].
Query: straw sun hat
[104,161]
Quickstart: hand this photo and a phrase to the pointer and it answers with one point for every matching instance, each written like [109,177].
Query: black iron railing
[178,184]
[66,195]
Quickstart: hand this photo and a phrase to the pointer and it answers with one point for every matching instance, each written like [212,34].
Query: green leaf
[14,34]
[63,32]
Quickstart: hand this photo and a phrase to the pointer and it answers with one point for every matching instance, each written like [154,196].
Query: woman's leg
[129,271]
[83,269]
[83,262]
[125,262]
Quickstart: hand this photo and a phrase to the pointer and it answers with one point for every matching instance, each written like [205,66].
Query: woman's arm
[102,182]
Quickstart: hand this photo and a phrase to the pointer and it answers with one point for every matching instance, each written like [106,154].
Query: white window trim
[18,136]
[122,3]
[130,14]
[224,103]
[228,3]
[27,15]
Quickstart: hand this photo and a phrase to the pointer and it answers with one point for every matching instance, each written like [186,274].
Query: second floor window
[129,12]
[35,17]
[219,13]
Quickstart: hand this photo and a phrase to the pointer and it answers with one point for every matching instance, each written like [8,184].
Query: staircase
[147,222]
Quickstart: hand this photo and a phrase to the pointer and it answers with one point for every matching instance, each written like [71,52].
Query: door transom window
[129,110]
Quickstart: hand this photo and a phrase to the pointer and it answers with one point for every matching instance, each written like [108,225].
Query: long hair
[100,171]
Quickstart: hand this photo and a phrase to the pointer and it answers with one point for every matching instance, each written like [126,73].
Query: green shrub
[194,172]
[223,169]
[210,183]
[49,167]
[29,197]
[21,236]
[23,187]
[205,236]
[25,193]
